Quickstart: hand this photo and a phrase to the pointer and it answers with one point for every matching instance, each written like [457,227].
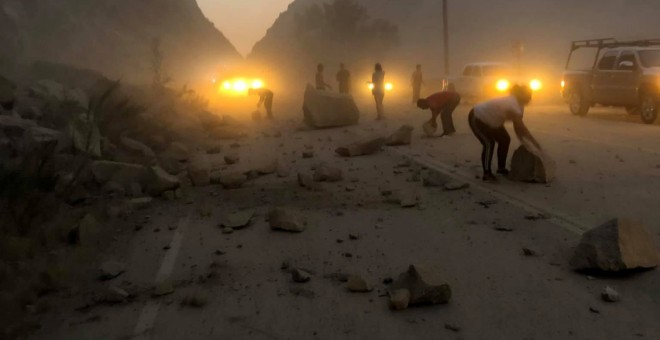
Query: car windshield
[650,58]
[495,70]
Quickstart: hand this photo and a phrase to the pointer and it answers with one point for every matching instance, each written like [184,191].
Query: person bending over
[442,103]
[265,98]
[487,123]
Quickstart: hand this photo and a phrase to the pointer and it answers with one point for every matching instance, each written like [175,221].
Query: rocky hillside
[114,36]
[486,30]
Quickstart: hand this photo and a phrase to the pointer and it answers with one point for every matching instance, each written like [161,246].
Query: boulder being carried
[323,109]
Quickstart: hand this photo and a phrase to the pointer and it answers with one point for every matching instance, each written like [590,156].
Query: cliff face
[114,36]
[487,30]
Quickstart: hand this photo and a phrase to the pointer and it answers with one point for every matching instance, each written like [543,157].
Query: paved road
[608,164]
[498,291]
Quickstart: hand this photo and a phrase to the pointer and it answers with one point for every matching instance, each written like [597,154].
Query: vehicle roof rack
[604,43]
[612,43]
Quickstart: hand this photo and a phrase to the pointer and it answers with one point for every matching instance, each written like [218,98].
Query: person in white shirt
[487,123]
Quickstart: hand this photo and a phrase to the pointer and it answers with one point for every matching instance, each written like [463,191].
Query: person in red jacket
[442,103]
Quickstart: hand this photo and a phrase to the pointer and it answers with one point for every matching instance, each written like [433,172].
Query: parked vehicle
[485,80]
[624,74]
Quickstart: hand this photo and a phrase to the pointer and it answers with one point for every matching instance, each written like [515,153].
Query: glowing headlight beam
[240,86]
[535,85]
[389,86]
[257,84]
[226,85]
[371,86]
[502,85]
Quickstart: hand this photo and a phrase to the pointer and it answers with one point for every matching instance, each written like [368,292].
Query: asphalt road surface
[608,165]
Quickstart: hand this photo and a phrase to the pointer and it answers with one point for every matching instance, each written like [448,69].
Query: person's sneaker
[489,178]
[504,172]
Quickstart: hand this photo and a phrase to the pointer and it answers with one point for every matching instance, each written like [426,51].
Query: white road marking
[149,313]
[555,217]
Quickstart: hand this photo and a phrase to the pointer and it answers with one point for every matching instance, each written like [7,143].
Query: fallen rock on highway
[307,181]
[286,220]
[403,136]
[300,276]
[231,159]
[363,148]
[609,294]
[432,178]
[238,220]
[230,180]
[399,299]
[178,151]
[199,172]
[456,185]
[325,109]
[326,173]
[405,197]
[530,165]
[111,269]
[425,285]
[617,245]
[357,284]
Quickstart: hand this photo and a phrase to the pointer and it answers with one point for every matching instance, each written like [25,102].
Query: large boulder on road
[617,245]
[324,109]
[531,165]
[425,284]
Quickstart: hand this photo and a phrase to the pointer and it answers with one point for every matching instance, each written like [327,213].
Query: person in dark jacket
[378,91]
[344,79]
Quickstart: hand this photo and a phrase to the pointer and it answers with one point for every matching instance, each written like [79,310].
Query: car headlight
[388,86]
[257,84]
[535,85]
[502,85]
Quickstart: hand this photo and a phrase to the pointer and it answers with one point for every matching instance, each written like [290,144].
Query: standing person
[265,98]
[378,91]
[487,123]
[344,80]
[442,103]
[320,80]
[416,81]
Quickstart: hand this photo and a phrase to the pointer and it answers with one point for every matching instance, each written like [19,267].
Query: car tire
[578,103]
[648,108]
